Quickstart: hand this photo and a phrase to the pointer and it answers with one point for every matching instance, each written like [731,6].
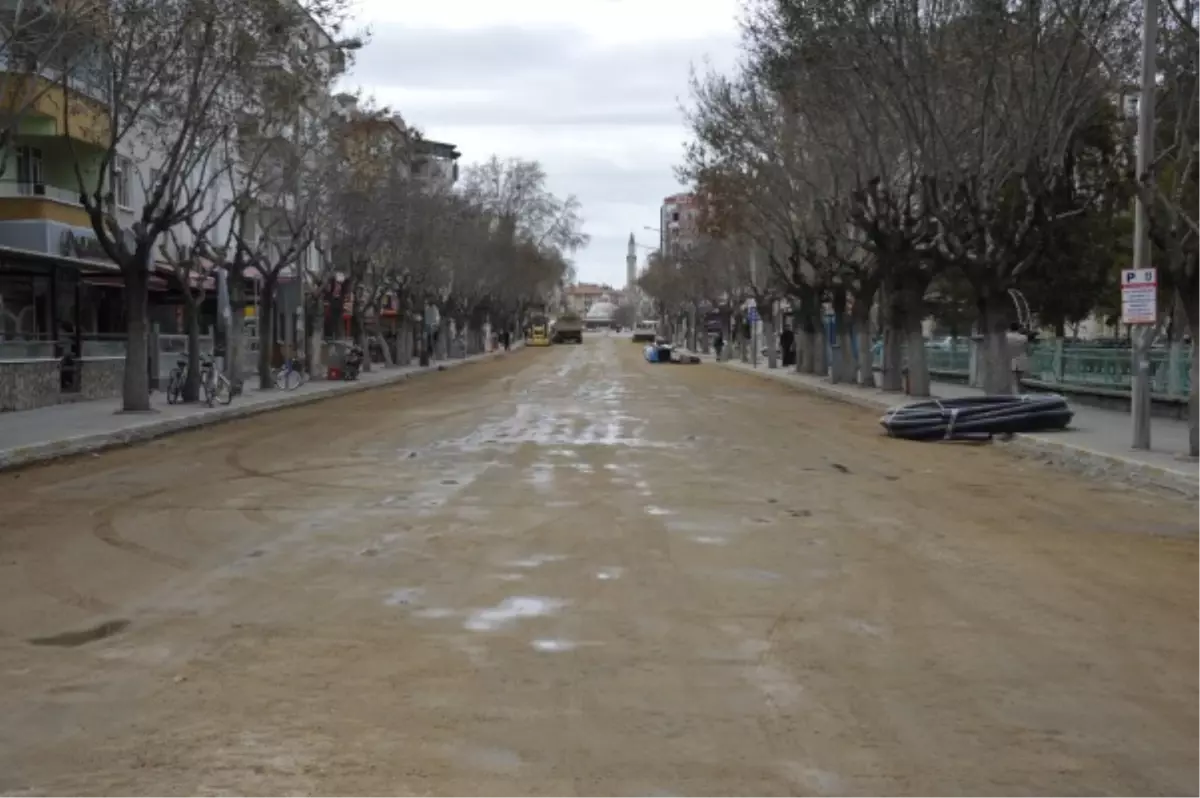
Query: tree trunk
[191,318]
[235,344]
[918,364]
[404,343]
[820,354]
[866,359]
[768,325]
[135,390]
[995,367]
[385,344]
[266,334]
[443,345]
[838,371]
[893,359]
[846,344]
[358,333]
[1188,300]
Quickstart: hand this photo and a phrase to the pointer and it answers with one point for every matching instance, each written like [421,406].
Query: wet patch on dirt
[82,637]
[553,646]
[510,610]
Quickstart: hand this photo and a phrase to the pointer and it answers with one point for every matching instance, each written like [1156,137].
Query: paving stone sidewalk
[1097,443]
[47,433]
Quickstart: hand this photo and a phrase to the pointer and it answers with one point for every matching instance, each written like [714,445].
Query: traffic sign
[1139,296]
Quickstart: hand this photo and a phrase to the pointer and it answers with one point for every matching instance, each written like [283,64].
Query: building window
[122,171]
[29,165]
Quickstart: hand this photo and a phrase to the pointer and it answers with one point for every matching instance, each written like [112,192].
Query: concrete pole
[1143,337]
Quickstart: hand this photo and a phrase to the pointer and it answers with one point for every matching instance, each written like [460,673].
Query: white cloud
[591,88]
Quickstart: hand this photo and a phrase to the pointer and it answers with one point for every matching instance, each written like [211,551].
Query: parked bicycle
[213,383]
[291,375]
[214,386]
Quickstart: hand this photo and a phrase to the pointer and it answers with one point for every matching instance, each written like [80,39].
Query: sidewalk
[47,433]
[1097,442]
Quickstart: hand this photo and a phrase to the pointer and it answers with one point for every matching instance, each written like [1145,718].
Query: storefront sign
[79,246]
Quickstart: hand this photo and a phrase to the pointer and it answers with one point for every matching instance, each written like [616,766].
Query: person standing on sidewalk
[718,345]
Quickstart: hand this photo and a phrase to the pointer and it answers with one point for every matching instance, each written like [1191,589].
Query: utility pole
[1143,337]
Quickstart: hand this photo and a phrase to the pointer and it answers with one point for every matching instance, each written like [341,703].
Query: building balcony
[40,201]
[39,102]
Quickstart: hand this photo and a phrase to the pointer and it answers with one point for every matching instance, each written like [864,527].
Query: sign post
[1139,296]
[1139,309]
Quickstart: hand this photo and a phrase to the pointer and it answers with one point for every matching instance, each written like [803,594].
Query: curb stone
[1079,459]
[37,453]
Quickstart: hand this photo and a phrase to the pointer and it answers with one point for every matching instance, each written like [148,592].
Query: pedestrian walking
[787,344]
[718,344]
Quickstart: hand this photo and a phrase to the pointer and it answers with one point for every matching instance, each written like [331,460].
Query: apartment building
[679,218]
[62,325]
[436,162]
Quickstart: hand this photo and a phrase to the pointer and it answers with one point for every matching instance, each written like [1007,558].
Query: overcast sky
[591,88]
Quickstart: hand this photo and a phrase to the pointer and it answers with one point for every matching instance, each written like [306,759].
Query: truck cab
[645,332]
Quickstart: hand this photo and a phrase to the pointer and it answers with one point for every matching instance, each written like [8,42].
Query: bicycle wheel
[223,390]
[174,388]
[290,380]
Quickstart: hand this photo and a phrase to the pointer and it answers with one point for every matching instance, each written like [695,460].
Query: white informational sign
[1139,296]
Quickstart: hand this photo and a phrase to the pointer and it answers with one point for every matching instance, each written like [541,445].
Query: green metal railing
[1056,363]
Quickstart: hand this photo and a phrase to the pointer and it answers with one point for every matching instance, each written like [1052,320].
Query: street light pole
[1143,338]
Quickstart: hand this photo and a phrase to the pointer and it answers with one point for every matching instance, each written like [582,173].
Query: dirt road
[572,572]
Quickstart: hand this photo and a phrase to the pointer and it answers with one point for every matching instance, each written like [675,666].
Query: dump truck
[568,329]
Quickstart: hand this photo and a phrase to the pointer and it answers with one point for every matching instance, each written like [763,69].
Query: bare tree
[173,69]
[532,230]
[45,46]
[1170,188]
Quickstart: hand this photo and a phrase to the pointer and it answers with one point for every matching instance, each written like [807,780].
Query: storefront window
[24,307]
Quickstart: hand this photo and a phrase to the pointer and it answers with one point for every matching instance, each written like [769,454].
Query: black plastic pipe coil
[977,417]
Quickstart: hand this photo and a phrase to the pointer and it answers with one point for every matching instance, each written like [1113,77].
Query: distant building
[601,315]
[631,268]
[580,297]
[435,161]
[679,224]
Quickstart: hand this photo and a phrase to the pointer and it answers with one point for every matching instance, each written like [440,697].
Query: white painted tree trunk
[996,365]
[866,365]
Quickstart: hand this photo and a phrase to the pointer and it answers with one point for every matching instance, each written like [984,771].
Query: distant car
[645,332]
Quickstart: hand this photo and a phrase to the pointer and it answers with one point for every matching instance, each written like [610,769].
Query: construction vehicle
[568,329]
[645,331]
[537,331]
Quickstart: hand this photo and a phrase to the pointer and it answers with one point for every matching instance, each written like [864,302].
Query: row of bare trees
[892,160]
[874,159]
[204,138]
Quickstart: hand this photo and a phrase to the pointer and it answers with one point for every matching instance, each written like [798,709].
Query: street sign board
[1139,296]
